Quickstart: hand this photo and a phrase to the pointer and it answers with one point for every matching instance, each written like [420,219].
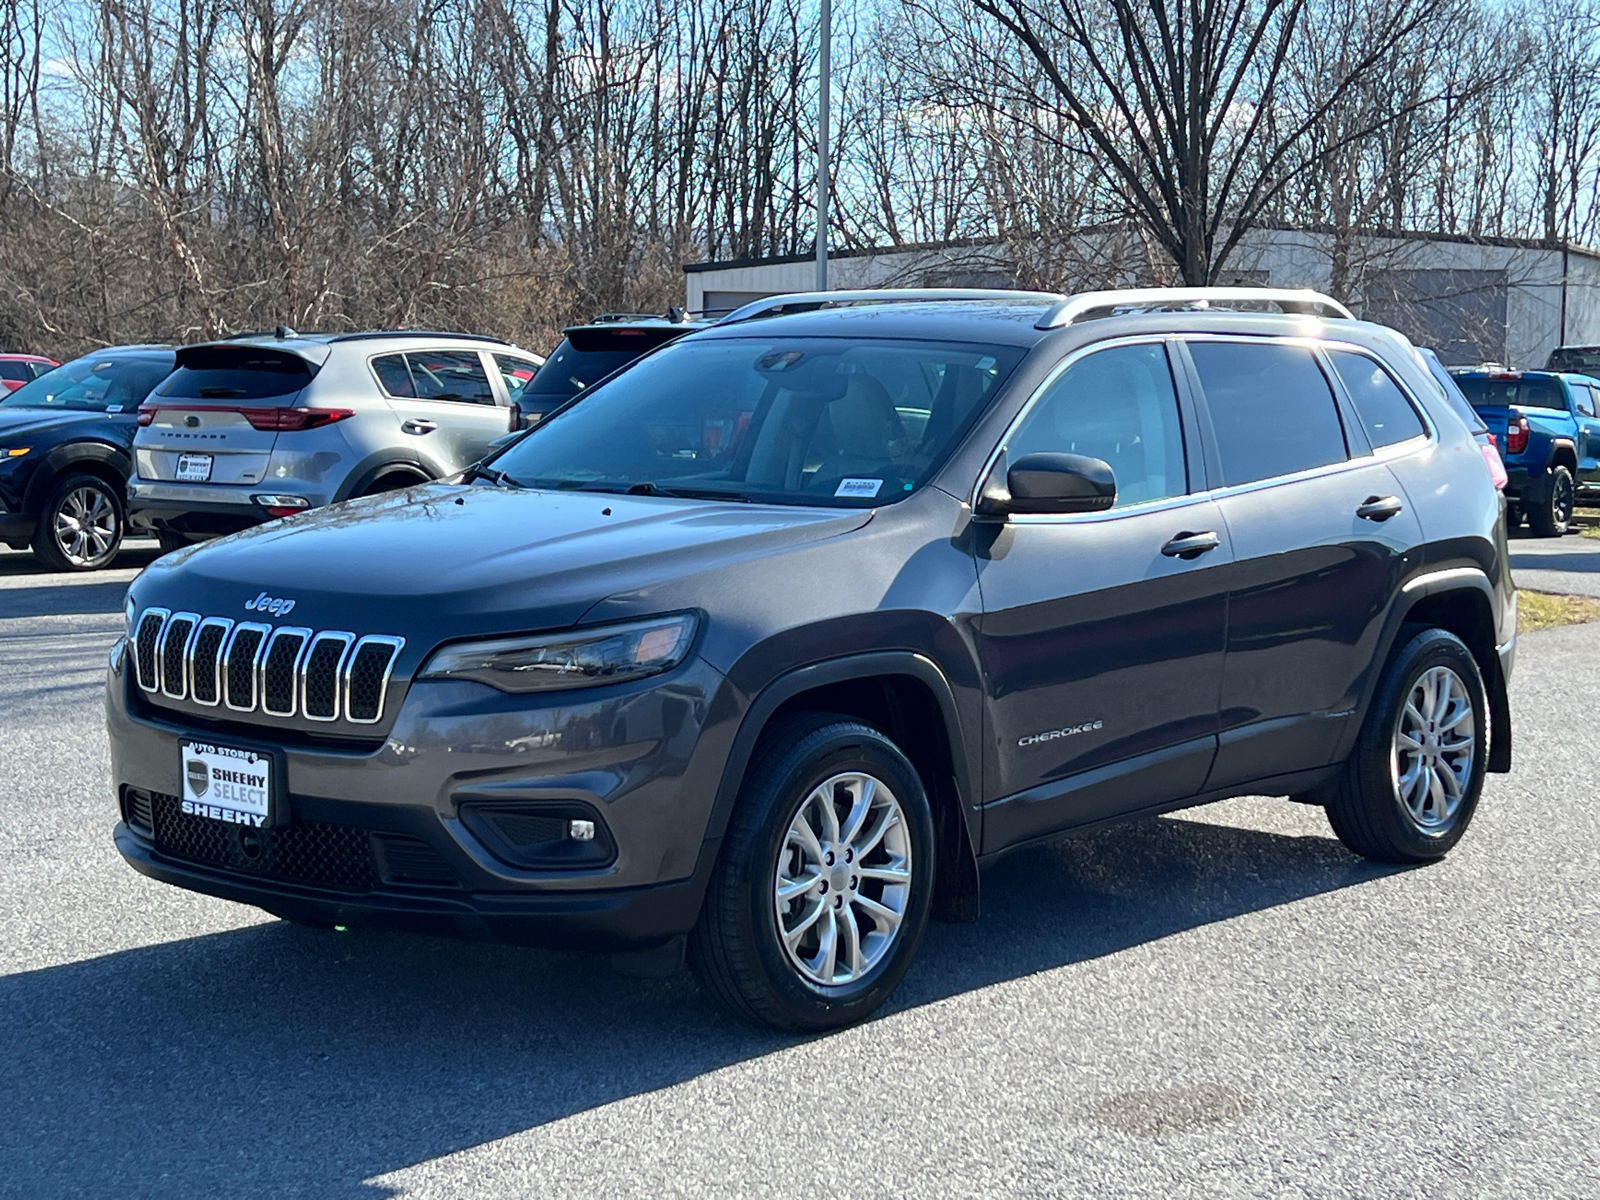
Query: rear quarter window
[1385,413]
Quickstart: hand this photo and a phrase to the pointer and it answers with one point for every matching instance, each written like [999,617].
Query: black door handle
[1191,545]
[1379,508]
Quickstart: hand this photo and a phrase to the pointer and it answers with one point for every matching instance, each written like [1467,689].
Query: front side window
[450,375]
[1117,405]
[1385,412]
[1585,396]
[1271,408]
[829,421]
[15,370]
[516,373]
[94,384]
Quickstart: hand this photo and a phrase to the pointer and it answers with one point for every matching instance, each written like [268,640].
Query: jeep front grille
[282,672]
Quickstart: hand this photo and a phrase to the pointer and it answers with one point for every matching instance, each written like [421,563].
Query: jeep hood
[446,561]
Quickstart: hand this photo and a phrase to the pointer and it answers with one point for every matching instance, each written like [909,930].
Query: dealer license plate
[224,784]
[194,468]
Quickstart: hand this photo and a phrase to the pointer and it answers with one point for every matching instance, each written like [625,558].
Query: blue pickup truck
[1547,425]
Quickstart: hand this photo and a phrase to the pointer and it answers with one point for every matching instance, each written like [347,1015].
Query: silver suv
[265,425]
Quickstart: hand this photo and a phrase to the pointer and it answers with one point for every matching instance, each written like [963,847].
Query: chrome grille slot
[366,678]
[205,660]
[147,664]
[254,668]
[319,675]
[280,671]
[240,663]
[175,654]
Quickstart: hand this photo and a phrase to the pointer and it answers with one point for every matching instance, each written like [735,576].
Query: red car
[18,369]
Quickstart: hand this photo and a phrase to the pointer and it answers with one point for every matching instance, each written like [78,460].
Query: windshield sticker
[113,408]
[861,489]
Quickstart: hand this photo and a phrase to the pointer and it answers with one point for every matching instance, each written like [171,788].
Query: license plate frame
[195,468]
[233,797]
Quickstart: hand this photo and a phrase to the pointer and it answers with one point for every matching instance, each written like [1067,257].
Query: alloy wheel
[1435,739]
[1561,502]
[843,879]
[85,525]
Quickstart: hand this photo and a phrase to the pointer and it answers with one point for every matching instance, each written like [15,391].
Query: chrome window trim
[216,666]
[305,636]
[255,665]
[1166,504]
[1082,352]
[183,659]
[155,683]
[376,639]
[347,640]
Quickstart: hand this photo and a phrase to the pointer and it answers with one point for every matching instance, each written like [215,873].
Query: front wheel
[821,892]
[1552,516]
[1411,786]
[80,526]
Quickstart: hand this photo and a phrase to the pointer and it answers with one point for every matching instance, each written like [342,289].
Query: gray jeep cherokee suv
[774,638]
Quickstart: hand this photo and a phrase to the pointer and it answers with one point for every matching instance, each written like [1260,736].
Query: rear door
[1586,405]
[214,419]
[1320,529]
[446,407]
[1101,645]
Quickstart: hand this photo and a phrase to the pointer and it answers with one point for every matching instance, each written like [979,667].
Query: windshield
[1524,393]
[95,383]
[795,421]
[568,371]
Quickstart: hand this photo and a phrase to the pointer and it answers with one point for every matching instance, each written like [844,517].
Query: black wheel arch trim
[1425,586]
[956,897]
[368,472]
[64,458]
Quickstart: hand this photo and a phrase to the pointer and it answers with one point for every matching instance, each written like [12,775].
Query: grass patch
[1541,610]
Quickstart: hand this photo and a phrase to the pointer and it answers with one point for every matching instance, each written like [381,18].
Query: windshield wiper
[498,478]
[648,488]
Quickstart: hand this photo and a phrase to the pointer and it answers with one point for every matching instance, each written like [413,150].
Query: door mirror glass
[1052,482]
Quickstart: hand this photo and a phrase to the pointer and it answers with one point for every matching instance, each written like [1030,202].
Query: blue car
[65,455]
[1547,424]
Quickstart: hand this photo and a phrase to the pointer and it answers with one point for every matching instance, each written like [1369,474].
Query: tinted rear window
[1524,393]
[235,373]
[1385,412]
[569,370]
[1271,408]
[1580,360]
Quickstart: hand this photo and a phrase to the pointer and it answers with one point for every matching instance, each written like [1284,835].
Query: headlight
[579,658]
[127,614]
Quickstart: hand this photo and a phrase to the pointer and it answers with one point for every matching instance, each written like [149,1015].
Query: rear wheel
[80,526]
[821,891]
[1552,516]
[1409,791]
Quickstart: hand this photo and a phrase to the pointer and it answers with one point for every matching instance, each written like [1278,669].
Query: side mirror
[1050,483]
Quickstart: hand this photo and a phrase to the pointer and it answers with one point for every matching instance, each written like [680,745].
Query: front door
[1586,406]
[1320,530]
[1102,634]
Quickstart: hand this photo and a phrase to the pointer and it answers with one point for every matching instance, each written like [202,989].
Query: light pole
[825,67]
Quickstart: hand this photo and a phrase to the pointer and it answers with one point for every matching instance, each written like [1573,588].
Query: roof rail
[774,306]
[374,334]
[1088,305]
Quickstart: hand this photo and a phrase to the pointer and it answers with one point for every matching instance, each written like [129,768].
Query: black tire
[1513,516]
[171,542]
[81,524]
[392,482]
[737,948]
[1552,515]
[1366,809]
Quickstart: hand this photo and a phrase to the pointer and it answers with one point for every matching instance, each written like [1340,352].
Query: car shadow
[1585,563]
[279,1060]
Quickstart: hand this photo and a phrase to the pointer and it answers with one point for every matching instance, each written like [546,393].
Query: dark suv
[774,638]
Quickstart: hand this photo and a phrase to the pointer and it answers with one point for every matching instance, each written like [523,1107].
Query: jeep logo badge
[267,604]
[199,776]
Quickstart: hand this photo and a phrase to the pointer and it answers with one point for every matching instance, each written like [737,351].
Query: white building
[1473,300]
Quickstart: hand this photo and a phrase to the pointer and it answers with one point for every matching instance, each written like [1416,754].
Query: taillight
[278,420]
[1497,469]
[1517,435]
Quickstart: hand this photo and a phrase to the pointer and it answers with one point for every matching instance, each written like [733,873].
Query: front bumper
[629,919]
[17,529]
[641,759]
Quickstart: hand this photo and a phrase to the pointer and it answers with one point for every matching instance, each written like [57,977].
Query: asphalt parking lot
[1222,1002]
